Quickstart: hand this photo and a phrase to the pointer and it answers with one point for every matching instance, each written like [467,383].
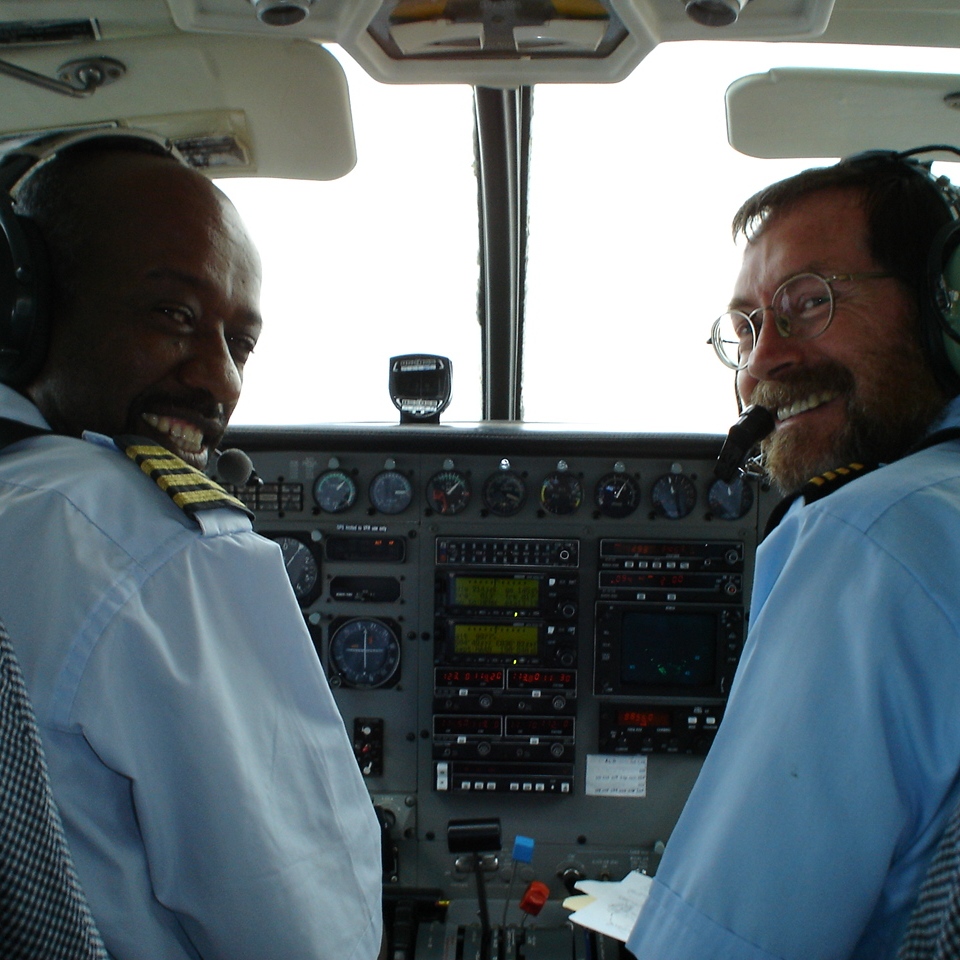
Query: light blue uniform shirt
[209,792]
[810,827]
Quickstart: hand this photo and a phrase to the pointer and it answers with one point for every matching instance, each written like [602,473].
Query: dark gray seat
[43,912]
[934,929]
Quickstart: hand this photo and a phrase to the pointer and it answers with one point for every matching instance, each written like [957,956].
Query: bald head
[156,305]
[81,192]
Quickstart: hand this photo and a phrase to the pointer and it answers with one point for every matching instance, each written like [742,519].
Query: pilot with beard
[817,811]
[208,790]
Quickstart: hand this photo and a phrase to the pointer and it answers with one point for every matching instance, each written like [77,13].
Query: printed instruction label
[609,776]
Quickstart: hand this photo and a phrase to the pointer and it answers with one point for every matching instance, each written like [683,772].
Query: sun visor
[235,106]
[794,112]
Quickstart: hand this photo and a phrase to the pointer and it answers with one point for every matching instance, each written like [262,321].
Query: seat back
[934,929]
[43,912]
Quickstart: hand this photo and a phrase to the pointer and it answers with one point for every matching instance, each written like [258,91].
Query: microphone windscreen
[234,466]
[754,424]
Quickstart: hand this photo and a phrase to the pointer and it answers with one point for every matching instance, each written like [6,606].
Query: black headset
[25,275]
[940,308]
[940,297]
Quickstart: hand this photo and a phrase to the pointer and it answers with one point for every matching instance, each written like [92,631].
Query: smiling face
[861,391]
[161,314]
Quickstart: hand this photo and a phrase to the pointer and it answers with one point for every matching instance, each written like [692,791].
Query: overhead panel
[493,43]
[505,43]
[794,112]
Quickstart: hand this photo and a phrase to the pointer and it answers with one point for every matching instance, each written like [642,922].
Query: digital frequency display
[502,593]
[540,727]
[502,639]
[668,649]
[643,718]
[460,726]
[536,679]
[460,677]
[641,548]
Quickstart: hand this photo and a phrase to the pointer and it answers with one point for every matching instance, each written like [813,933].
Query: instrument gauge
[448,492]
[617,495]
[391,491]
[364,653]
[730,501]
[504,493]
[674,496]
[561,493]
[334,491]
[302,566]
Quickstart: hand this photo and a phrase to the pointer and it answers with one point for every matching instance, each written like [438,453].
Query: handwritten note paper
[609,776]
[613,908]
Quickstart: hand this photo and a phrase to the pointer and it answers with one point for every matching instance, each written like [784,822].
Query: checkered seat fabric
[43,913]
[934,929]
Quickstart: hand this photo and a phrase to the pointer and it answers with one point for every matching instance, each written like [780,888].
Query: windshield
[630,257]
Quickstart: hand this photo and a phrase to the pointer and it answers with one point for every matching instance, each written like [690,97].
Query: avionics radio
[505,665]
[669,633]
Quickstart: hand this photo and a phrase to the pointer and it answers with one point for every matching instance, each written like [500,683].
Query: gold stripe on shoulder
[190,489]
[830,480]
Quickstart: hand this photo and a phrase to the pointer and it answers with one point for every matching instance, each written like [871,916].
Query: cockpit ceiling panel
[502,44]
[552,40]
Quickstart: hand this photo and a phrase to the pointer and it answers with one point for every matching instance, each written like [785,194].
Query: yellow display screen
[501,639]
[502,593]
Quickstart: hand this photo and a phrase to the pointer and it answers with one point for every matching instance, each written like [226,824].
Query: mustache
[828,376]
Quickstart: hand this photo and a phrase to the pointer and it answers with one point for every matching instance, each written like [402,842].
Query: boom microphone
[754,424]
[234,466]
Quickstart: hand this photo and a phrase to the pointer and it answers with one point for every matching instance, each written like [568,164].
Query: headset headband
[27,158]
[25,276]
[940,299]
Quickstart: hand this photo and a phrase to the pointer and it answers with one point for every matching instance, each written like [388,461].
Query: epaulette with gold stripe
[189,489]
[817,488]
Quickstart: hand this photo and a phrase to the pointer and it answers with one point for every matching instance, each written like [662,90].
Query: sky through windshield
[630,255]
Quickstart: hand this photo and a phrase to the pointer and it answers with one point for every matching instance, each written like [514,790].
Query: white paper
[615,907]
[615,776]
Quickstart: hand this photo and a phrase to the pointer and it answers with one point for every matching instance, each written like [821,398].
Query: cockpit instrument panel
[536,625]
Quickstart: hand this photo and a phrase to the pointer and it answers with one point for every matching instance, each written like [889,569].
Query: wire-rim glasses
[802,308]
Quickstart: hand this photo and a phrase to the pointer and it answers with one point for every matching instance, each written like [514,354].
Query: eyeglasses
[802,308]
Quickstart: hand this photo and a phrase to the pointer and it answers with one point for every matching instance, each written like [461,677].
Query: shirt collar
[15,406]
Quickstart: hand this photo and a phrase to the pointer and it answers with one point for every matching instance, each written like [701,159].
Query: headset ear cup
[941,306]
[24,297]
[26,274]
